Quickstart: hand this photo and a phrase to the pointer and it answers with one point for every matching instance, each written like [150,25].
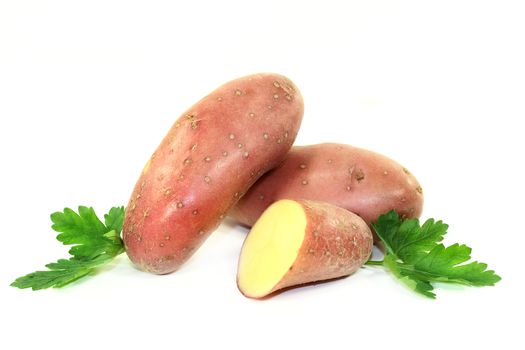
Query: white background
[88,89]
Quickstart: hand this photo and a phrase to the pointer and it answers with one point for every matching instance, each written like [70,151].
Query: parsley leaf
[94,244]
[115,219]
[415,256]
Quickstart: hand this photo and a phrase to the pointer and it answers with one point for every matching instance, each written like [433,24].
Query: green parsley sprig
[94,244]
[415,256]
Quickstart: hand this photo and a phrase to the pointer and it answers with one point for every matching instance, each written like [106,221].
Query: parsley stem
[374,262]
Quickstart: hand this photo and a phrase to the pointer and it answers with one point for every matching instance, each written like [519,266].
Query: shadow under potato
[297,287]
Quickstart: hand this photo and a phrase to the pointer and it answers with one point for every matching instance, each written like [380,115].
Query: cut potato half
[296,242]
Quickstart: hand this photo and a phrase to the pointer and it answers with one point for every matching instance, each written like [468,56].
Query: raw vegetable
[94,245]
[211,156]
[364,182]
[415,256]
[296,242]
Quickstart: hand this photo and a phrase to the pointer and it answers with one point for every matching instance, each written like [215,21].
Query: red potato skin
[336,244]
[210,157]
[361,181]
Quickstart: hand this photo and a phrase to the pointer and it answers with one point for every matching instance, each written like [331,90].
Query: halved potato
[297,242]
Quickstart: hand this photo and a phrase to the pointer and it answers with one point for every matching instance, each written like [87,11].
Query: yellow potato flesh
[271,248]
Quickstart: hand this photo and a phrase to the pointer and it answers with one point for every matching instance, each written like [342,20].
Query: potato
[297,242]
[210,157]
[358,180]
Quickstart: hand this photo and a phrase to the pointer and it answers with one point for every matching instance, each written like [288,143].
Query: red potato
[210,157]
[361,181]
[297,242]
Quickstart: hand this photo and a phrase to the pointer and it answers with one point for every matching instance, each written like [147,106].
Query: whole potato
[210,157]
[361,181]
